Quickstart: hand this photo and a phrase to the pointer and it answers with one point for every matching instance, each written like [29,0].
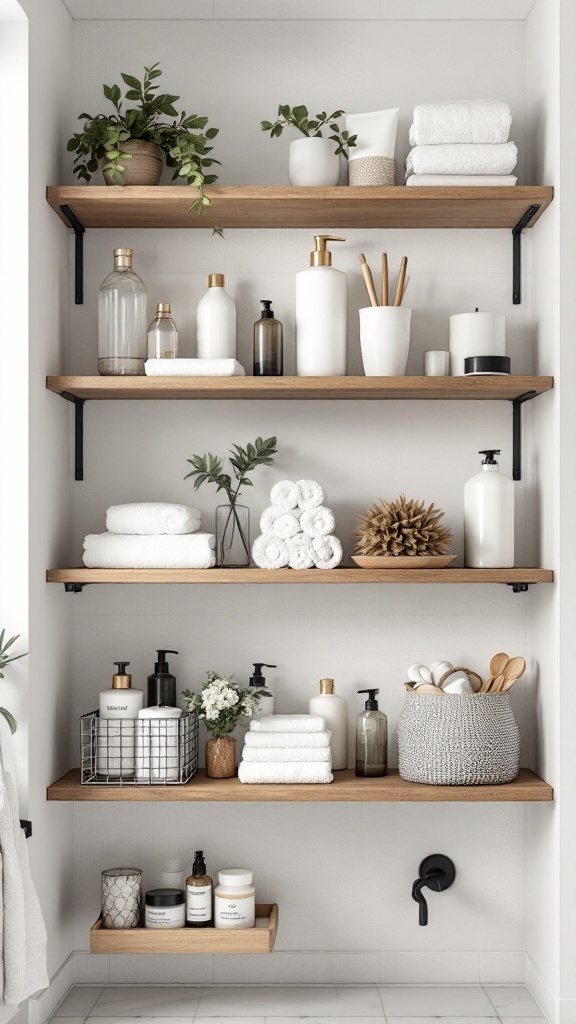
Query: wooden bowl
[403,561]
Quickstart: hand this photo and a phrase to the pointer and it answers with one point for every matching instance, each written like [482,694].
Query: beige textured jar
[235,899]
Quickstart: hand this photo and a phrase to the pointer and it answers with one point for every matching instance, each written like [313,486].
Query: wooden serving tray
[260,939]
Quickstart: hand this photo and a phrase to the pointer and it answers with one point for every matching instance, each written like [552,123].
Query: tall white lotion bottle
[489,517]
[216,322]
[334,710]
[321,314]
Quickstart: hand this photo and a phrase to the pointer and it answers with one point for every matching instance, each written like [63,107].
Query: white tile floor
[284,1004]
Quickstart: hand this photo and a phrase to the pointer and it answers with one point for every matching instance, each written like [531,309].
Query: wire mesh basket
[138,752]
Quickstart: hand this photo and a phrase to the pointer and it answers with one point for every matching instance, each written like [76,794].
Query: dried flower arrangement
[402,528]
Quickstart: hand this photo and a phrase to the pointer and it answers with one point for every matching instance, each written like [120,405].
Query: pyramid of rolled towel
[297,530]
[461,143]
[150,535]
[286,749]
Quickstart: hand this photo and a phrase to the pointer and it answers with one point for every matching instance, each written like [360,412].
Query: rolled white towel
[281,522]
[462,121]
[120,551]
[193,368]
[299,772]
[287,740]
[328,552]
[270,552]
[288,724]
[317,522]
[458,180]
[285,494]
[152,517]
[300,552]
[287,754]
[311,494]
[463,159]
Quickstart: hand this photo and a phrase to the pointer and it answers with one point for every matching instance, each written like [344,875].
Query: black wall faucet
[436,872]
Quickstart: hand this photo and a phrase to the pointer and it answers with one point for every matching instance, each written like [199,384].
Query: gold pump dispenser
[122,680]
[326,686]
[322,257]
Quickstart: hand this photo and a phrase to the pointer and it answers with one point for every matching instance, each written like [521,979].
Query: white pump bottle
[321,314]
[334,710]
[489,517]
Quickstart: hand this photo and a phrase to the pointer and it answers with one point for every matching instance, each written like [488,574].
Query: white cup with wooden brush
[384,329]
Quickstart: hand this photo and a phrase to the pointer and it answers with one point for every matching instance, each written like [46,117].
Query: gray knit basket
[458,739]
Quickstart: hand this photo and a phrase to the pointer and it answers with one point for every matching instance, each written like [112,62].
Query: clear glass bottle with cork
[122,320]
[162,334]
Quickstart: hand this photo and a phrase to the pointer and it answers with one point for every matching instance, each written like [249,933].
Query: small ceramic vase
[221,757]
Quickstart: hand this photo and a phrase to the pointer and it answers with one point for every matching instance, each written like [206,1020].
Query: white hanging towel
[23,933]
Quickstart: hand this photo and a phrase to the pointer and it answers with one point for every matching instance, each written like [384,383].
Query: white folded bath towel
[280,522]
[462,121]
[288,724]
[328,552]
[193,368]
[119,551]
[311,494]
[152,517]
[285,740]
[287,754]
[270,552]
[317,522]
[285,494]
[464,159]
[299,772]
[300,552]
[456,180]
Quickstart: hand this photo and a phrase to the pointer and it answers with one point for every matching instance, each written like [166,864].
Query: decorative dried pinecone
[402,527]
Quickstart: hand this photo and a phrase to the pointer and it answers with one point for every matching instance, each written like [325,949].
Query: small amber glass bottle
[268,344]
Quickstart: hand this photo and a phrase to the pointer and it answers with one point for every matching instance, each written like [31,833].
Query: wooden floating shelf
[269,206]
[527,787]
[260,939]
[283,576]
[330,388]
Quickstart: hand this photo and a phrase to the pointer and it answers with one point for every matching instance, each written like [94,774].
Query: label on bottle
[235,912]
[165,917]
[198,904]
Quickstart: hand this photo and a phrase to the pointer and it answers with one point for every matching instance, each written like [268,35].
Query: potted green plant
[233,519]
[313,160]
[221,704]
[131,142]
[6,659]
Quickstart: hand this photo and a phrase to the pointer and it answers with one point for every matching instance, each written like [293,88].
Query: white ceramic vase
[385,340]
[312,161]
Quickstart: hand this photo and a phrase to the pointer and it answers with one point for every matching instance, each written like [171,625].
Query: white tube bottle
[489,517]
[321,314]
[216,322]
[334,710]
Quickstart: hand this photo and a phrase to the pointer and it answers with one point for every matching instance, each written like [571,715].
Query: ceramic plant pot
[144,167]
[313,162]
[221,757]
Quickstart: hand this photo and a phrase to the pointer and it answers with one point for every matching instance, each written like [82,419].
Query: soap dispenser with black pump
[371,739]
[489,516]
[268,343]
[266,705]
[162,684]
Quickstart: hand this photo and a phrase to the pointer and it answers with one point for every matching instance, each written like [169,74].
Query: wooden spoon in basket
[515,668]
[497,666]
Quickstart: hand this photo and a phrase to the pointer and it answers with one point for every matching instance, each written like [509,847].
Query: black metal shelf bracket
[26,826]
[517,404]
[78,404]
[516,251]
[518,588]
[73,588]
[79,231]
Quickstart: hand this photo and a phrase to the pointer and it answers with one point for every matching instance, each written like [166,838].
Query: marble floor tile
[291,1001]
[512,1001]
[147,1001]
[79,1001]
[436,1001]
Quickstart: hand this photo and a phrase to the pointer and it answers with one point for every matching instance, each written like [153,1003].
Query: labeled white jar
[165,908]
[235,899]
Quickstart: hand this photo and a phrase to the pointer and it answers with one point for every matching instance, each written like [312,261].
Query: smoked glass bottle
[371,739]
[122,320]
[163,334]
[268,344]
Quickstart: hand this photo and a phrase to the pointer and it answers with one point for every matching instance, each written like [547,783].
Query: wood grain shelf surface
[260,939]
[283,576]
[330,388]
[346,788]
[270,206]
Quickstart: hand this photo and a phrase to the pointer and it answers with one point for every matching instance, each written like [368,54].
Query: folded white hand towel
[288,723]
[270,552]
[328,552]
[152,517]
[469,180]
[119,551]
[280,522]
[311,494]
[287,754]
[300,552]
[299,772]
[317,522]
[464,159]
[284,740]
[285,494]
[193,368]
[477,121]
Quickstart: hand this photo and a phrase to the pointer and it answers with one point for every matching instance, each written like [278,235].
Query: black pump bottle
[161,684]
[268,343]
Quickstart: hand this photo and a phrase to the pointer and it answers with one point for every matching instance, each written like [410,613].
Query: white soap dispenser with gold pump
[321,314]
[334,710]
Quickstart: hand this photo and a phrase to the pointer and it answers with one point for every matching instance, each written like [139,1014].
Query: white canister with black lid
[475,334]
[165,908]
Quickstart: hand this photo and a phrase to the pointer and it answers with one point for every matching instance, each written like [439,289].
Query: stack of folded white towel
[150,535]
[297,529]
[461,143]
[193,368]
[286,749]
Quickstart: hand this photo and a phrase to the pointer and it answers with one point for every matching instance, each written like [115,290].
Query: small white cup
[436,364]
[458,682]
[385,340]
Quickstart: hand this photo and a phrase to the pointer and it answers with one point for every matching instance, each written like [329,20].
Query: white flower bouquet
[221,703]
